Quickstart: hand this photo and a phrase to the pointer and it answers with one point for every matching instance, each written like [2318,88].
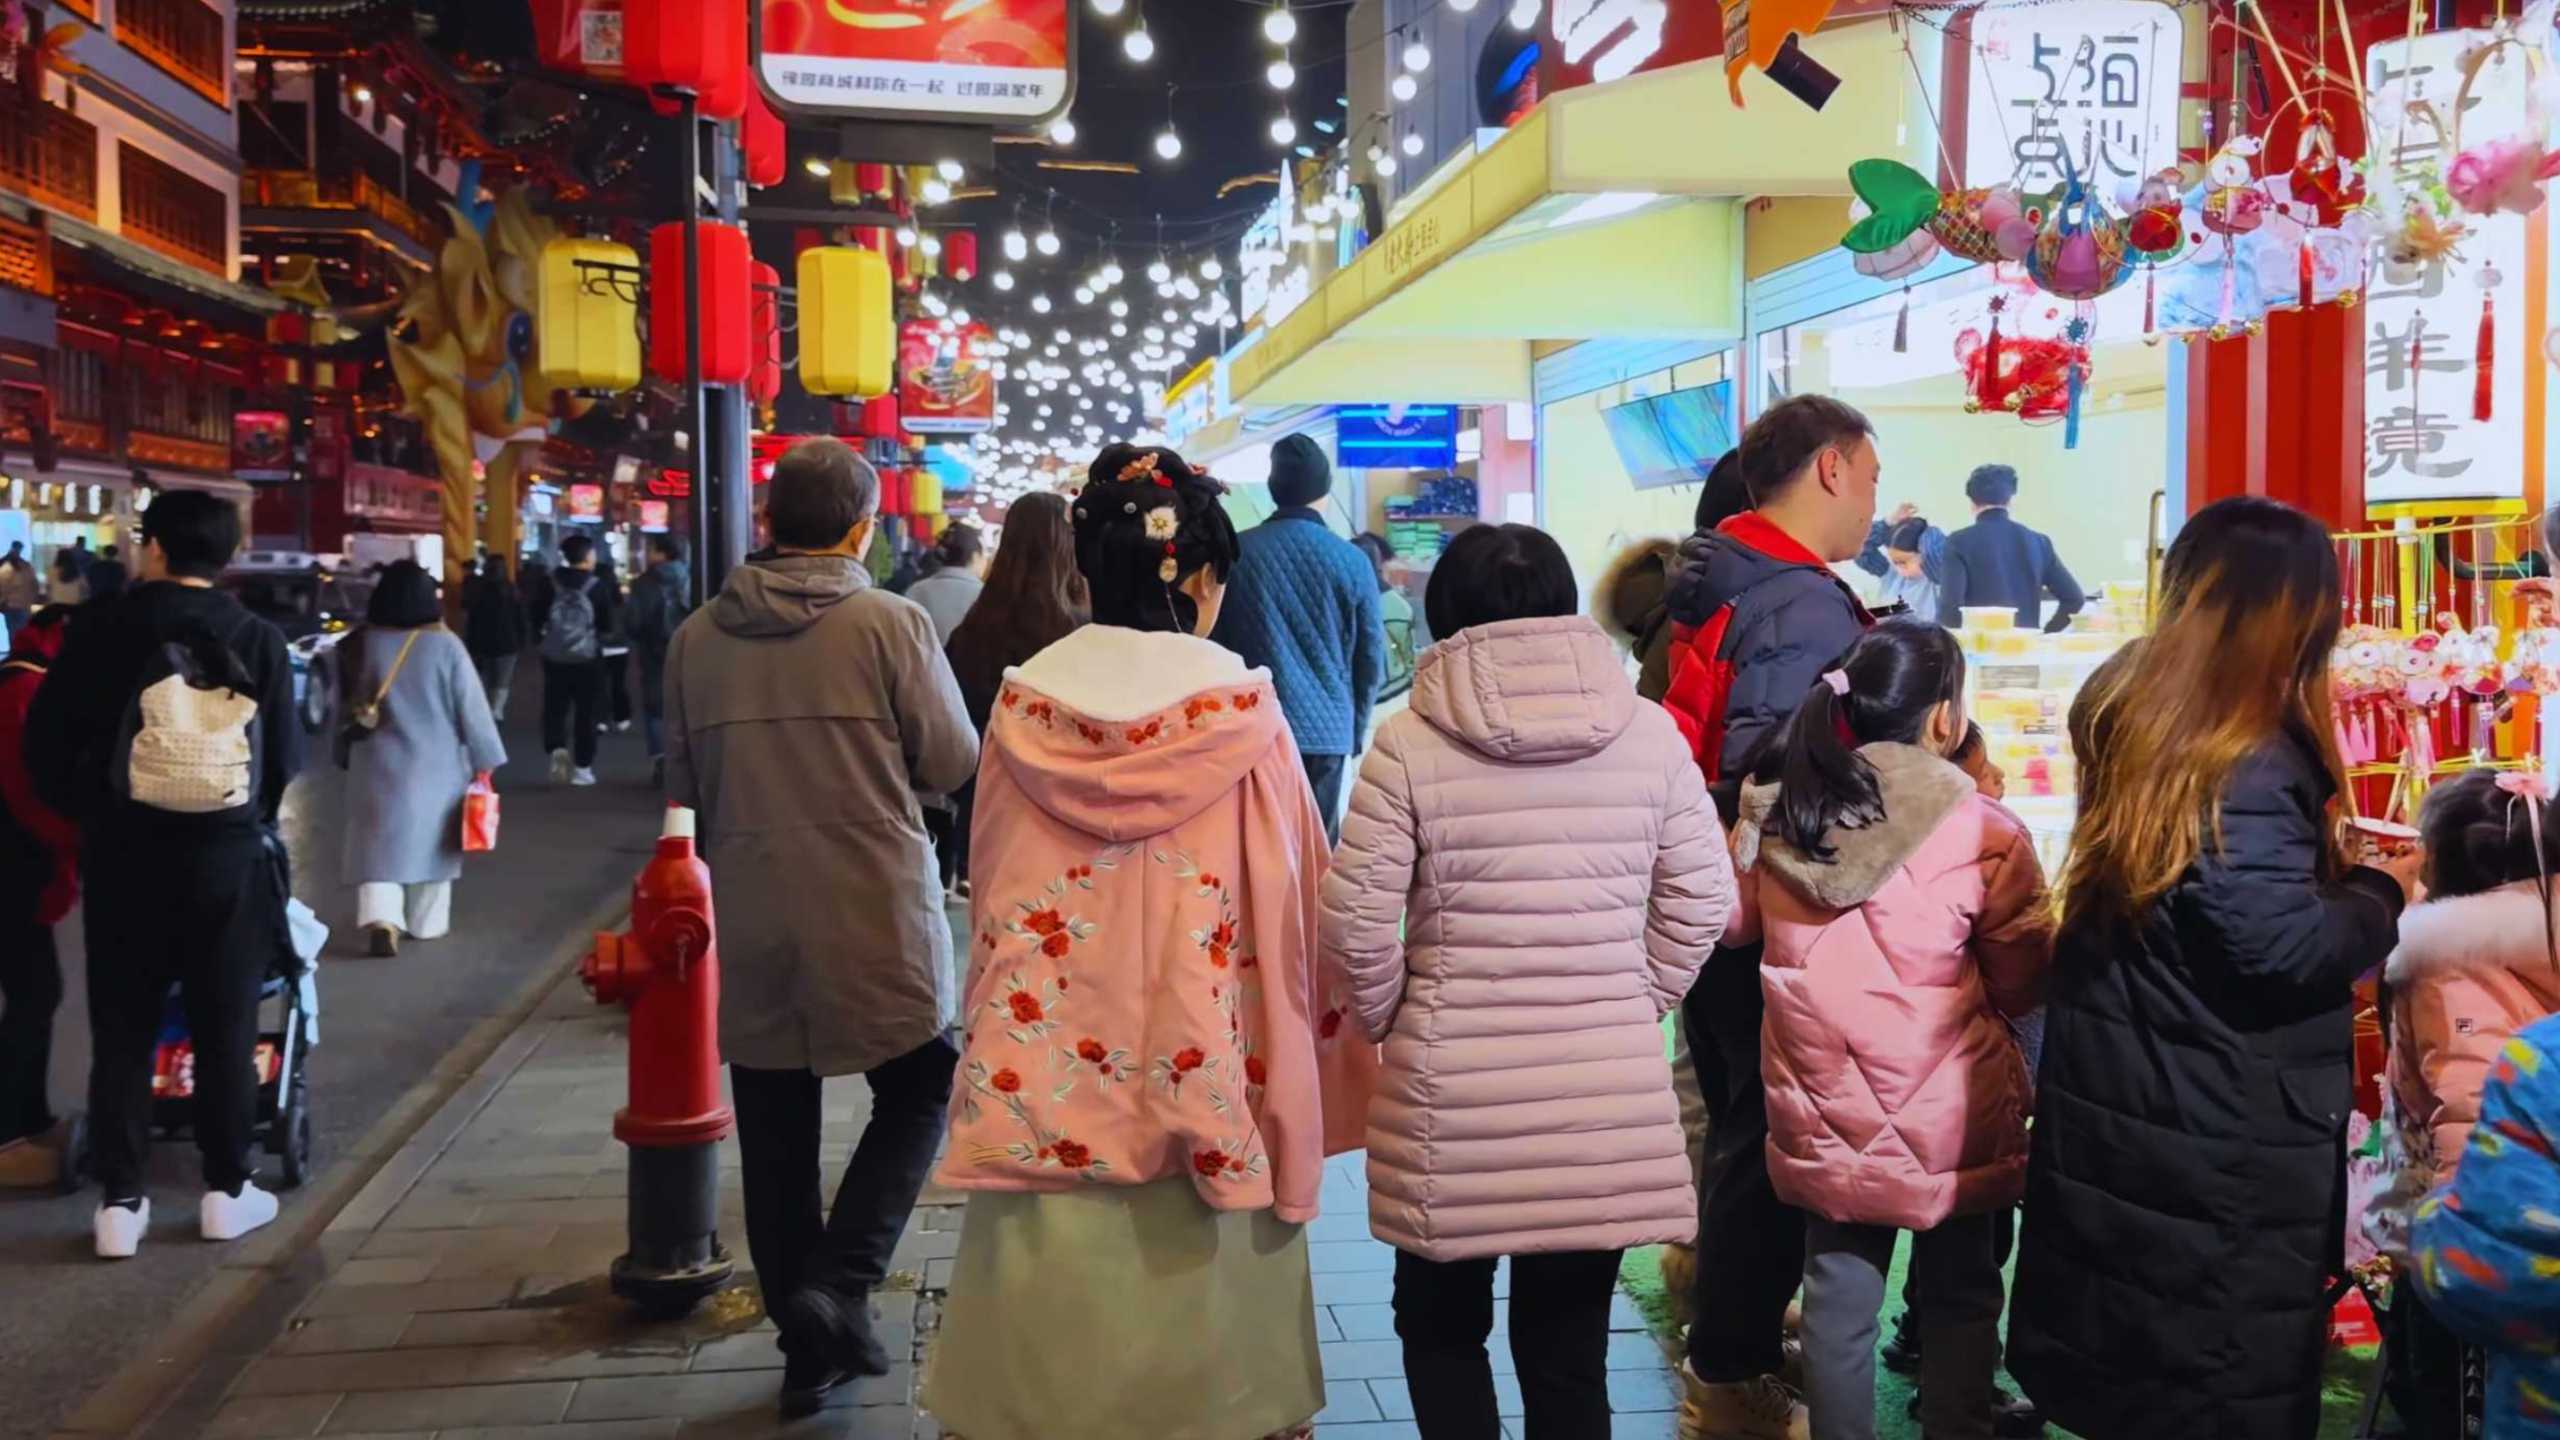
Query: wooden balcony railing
[26,259]
[50,156]
[183,37]
[299,190]
[172,211]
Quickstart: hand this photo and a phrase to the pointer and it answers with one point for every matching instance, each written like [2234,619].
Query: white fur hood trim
[1111,674]
[2497,929]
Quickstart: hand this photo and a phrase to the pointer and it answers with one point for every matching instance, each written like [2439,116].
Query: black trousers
[1559,1343]
[572,705]
[30,993]
[1750,1243]
[617,674]
[207,919]
[950,831]
[2435,1381]
[1325,773]
[778,1116]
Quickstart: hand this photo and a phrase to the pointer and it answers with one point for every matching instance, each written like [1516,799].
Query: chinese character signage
[2088,88]
[1006,62]
[946,378]
[1596,41]
[261,446]
[2421,322]
[586,502]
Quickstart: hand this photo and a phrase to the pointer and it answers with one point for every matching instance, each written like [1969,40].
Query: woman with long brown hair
[2185,1191]
[1032,597]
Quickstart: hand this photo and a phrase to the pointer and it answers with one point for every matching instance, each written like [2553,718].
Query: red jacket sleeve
[17,786]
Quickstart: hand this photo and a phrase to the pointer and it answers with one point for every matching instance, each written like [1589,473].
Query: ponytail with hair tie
[1883,690]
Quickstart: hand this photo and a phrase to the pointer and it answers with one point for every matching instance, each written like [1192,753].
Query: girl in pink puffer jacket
[2475,965]
[1530,875]
[1904,920]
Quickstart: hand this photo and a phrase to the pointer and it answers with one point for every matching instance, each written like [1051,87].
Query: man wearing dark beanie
[1303,603]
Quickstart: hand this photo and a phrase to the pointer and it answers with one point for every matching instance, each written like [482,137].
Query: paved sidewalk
[462,1294]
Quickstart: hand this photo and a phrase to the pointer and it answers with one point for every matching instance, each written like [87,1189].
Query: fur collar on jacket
[1920,791]
[1629,597]
[2499,929]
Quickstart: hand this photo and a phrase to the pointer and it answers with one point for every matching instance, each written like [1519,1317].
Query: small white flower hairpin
[1162,522]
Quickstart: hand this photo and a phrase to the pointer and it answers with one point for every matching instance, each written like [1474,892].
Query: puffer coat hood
[1528,880]
[787,594]
[2469,973]
[1897,1095]
[1531,691]
[1632,602]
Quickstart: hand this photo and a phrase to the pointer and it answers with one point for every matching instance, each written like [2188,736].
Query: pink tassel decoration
[2484,376]
[2304,268]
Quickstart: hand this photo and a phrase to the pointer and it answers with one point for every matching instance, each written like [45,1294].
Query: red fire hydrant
[666,973]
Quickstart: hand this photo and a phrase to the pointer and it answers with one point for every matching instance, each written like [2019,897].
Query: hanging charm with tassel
[2076,370]
[2484,358]
[1902,324]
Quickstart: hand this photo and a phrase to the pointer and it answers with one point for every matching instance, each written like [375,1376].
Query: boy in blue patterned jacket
[2488,1243]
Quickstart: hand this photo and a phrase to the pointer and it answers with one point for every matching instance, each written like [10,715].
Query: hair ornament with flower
[1144,467]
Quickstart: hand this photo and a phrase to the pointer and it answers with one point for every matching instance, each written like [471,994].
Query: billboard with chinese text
[2421,321]
[2089,88]
[946,378]
[1005,62]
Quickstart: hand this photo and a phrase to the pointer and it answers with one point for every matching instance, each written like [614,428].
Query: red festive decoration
[960,254]
[872,178]
[2021,375]
[763,136]
[697,45]
[765,381]
[880,417]
[572,35]
[727,304]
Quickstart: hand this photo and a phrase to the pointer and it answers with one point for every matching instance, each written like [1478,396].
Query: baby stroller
[290,994]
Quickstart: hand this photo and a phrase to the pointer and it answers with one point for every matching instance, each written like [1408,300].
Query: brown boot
[1680,1284]
[30,1164]
[1761,1408]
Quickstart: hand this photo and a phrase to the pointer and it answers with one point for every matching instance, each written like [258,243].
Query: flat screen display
[1397,437]
[1672,439]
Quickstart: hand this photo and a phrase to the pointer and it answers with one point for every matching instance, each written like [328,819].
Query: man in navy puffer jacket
[1303,602]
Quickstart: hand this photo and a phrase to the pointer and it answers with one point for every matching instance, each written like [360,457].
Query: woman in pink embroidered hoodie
[1904,923]
[1529,879]
[1153,1070]
[2476,963]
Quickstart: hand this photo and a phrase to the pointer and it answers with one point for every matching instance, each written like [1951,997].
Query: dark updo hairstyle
[1898,673]
[1906,537]
[1124,566]
[1492,573]
[2479,837]
[404,598]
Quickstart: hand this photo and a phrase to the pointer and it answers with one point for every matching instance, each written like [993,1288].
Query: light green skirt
[1118,1311]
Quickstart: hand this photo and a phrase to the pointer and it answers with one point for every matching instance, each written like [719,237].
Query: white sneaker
[228,1217]
[559,767]
[582,776]
[119,1230]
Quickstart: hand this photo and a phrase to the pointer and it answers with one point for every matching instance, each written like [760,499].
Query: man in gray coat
[805,710]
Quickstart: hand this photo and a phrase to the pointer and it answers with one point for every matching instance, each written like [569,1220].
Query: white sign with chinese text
[2090,87]
[2421,322]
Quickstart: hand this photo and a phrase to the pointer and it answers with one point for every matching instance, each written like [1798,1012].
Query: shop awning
[1611,211]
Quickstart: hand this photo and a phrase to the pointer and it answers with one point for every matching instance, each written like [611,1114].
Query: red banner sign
[1009,62]
[586,502]
[946,378]
[1591,41]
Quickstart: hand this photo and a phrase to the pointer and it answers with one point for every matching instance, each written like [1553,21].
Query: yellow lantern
[927,492]
[585,328]
[848,330]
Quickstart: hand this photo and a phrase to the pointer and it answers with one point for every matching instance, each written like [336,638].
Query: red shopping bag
[480,815]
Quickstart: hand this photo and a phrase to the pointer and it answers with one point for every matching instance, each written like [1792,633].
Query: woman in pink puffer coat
[1903,921]
[1528,880]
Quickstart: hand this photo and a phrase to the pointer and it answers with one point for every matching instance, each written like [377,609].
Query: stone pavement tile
[879,1423]
[1342,1257]
[552,1212]
[429,1214]
[1362,1359]
[270,1415]
[1366,1322]
[451,1408]
[1395,1397]
[1635,1350]
[1346,1400]
[459,1365]
[1370,1430]
[753,1350]
[518,1187]
[708,1396]
[338,1334]
[1333,1225]
[486,1327]
[416,1299]
[400,1270]
[1623,1315]
[1327,1329]
[572,1431]
[1357,1288]
[438,1244]
[1634,1392]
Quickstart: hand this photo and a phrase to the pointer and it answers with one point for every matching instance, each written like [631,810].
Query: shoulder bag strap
[383,693]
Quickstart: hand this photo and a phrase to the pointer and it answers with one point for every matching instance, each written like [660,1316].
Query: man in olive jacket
[805,710]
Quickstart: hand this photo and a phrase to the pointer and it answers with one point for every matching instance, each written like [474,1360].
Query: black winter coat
[2185,1192]
[1791,620]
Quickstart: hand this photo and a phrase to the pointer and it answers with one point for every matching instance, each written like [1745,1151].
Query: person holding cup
[2185,1204]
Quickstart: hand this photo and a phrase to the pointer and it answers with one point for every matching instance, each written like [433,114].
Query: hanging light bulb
[1002,279]
[1169,145]
[1404,87]
[1064,132]
[906,237]
[1046,242]
[1062,336]
[1283,130]
[1084,294]
[1210,269]
[1112,274]
[1016,247]
[949,170]
[1386,164]
[1524,14]
[1138,45]
[937,191]
[1118,330]
[1280,26]
[1413,142]
[932,245]
[1114,7]
[1187,288]
[1461,6]
[818,165]
[1159,272]
[1282,74]
[960,317]
[1417,57]
[1119,309]
[1040,304]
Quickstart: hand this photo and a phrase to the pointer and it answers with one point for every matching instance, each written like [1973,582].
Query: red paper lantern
[960,254]
[568,32]
[765,382]
[872,237]
[727,304]
[873,178]
[880,417]
[697,45]
[763,137]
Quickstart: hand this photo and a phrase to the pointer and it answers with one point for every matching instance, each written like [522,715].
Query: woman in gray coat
[406,774]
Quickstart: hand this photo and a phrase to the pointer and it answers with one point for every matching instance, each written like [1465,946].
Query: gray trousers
[1844,1274]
